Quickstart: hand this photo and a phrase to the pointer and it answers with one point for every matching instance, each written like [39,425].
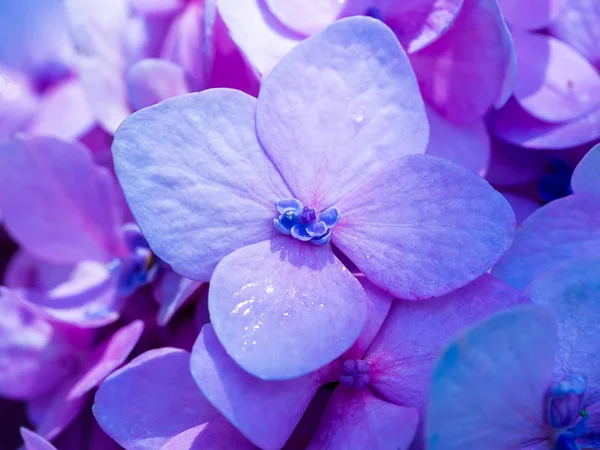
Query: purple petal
[511,165]
[573,293]
[34,441]
[186,45]
[64,112]
[266,412]
[292,314]
[378,306]
[533,14]
[162,400]
[305,17]
[554,83]
[58,413]
[258,34]
[150,81]
[402,355]
[477,52]
[216,434]
[98,29]
[152,7]
[408,226]
[196,178]
[86,297]
[491,379]
[418,23]
[107,358]
[563,230]
[54,203]
[577,25]
[515,125]
[339,107]
[171,292]
[358,419]
[523,207]
[467,145]
[18,102]
[35,356]
[585,177]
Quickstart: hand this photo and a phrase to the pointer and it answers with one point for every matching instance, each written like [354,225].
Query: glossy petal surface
[196,178]
[402,355]
[164,400]
[435,213]
[58,181]
[466,71]
[339,107]
[358,419]
[297,311]
[573,293]
[488,387]
[554,83]
[266,412]
[563,230]
[585,179]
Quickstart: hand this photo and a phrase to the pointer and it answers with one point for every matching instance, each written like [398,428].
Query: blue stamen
[555,183]
[303,223]
[564,400]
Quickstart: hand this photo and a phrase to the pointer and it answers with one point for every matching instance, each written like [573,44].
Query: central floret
[354,373]
[303,223]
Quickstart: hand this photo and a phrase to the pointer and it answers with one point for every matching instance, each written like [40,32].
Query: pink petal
[106,358]
[306,17]
[577,25]
[408,226]
[171,292]
[533,14]
[258,34]
[585,177]
[264,411]
[331,114]
[64,112]
[18,102]
[467,145]
[402,355]
[418,23]
[214,435]
[195,162]
[54,203]
[163,400]
[34,441]
[358,419]
[561,231]
[292,314]
[465,72]
[515,125]
[157,6]
[493,378]
[150,81]
[554,83]
[573,293]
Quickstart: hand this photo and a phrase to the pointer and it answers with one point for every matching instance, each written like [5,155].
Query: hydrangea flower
[495,385]
[132,54]
[39,90]
[383,378]
[461,52]
[336,129]
[81,260]
[165,408]
[563,230]
[53,365]
[556,94]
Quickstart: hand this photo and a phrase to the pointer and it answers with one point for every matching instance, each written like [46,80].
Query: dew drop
[358,116]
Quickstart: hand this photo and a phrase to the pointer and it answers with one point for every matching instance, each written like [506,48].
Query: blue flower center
[565,413]
[303,223]
[354,373]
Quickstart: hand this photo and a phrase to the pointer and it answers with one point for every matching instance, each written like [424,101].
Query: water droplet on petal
[358,116]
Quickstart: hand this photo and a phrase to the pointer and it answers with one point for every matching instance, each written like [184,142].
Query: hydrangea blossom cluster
[285,224]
